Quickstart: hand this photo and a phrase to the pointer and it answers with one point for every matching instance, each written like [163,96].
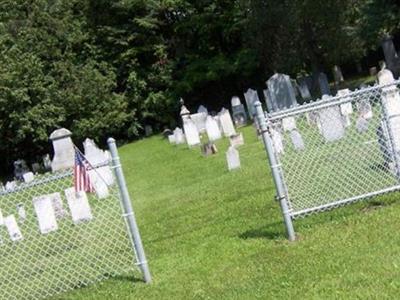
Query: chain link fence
[54,240]
[334,151]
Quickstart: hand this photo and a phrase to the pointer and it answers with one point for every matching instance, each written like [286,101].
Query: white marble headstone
[10,186]
[191,132]
[171,139]
[78,205]
[28,177]
[232,158]
[212,129]
[277,141]
[179,136]
[289,123]
[64,152]
[332,127]
[202,109]
[45,214]
[199,120]
[58,205]
[226,123]
[21,212]
[297,140]
[13,229]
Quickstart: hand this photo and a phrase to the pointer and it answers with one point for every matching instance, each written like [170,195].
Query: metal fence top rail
[324,103]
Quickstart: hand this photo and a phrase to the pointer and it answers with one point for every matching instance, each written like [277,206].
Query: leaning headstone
[78,205]
[297,140]
[332,127]
[179,137]
[202,109]
[238,112]
[45,214]
[226,123]
[236,140]
[251,97]
[13,229]
[324,84]
[391,57]
[281,92]
[232,158]
[289,123]
[28,177]
[337,75]
[304,90]
[64,152]
[212,129]
[191,133]
[100,160]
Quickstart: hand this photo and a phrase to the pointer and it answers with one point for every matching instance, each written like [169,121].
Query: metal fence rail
[38,260]
[334,151]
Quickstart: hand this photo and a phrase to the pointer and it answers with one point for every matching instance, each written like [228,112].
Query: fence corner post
[128,212]
[262,122]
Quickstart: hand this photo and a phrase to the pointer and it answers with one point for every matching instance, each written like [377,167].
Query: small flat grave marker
[13,229]
[232,158]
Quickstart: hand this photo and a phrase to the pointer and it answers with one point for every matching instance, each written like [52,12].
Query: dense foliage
[105,68]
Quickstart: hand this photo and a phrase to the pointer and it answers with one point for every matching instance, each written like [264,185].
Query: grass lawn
[212,234]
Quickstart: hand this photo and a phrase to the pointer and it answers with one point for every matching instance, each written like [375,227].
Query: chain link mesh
[339,149]
[75,255]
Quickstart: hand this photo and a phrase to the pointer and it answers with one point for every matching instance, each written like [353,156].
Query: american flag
[81,174]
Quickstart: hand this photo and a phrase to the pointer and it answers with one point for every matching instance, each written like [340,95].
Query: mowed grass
[213,234]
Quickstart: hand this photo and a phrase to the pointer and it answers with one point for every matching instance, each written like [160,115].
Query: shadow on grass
[271,231]
[127,278]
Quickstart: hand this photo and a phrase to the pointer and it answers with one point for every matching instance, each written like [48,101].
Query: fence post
[280,188]
[128,212]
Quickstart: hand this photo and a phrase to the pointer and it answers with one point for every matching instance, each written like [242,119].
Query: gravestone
[64,152]
[391,103]
[306,81]
[337,75]
[28,177]
[277,140]
[191,132]
[281,92]
[209,149]
[365,109]
[36,168]
[289,123]
[226,123]
[295,88]
[13,229]
[78,206]
[297,140]
[271,107]
[148,130]
[324,84]
[58,206]
[212,129]
[373,71]
[238,112]
[100,160]
[46,216]
[232,158]
[391,57]
[304,90]
[21,212]
[332,127]
[361,124]
[251,97]
[171,139]
[202,109]
[346,109]
[179,136]
[20,168]
[236,140]
[10,186]
[199,120]
[47,162]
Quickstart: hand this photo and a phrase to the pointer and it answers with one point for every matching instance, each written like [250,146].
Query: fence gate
[53,240]
[334,151]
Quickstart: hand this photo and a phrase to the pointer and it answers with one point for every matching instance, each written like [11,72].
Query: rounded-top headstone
[385,77]
[235,101]
[202,109]
[60,134]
